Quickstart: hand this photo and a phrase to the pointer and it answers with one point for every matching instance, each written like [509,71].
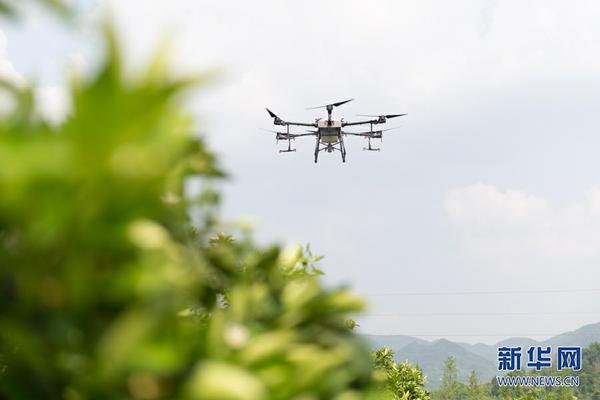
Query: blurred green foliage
[15,8]
[107,291]
[402,381]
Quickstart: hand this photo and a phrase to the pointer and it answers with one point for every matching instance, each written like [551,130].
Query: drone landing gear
[289,149]
[371,148]
[330,147]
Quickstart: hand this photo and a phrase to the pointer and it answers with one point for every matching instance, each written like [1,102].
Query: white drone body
[330,131]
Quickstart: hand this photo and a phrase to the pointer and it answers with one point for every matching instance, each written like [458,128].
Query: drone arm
[302,134]
[355,133]
[373,134]
[372,121]
[381,119]
[285,136]
[300,124]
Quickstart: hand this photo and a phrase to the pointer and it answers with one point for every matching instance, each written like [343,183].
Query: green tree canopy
[451,388]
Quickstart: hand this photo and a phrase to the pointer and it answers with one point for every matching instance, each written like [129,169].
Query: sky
[480,217]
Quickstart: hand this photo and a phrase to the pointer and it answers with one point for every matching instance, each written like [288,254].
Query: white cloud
[523,232]
[484,207]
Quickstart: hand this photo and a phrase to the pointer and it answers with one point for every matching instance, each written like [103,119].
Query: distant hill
[490,352]
[432,355]
[481,358]
[583,336]
[392,341]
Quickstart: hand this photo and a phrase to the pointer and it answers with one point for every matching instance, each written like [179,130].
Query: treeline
[404,381]
[588,389]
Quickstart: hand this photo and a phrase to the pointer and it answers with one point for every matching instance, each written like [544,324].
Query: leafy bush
[108,291]
[402,381]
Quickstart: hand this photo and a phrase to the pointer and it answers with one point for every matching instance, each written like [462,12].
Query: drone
[330,133]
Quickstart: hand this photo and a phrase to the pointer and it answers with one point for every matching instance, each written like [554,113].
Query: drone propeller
[271,113]
[379,116]
[339,103]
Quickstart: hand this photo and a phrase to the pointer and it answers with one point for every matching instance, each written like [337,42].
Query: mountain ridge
[430,356]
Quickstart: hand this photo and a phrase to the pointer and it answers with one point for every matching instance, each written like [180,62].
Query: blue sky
[491,183]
